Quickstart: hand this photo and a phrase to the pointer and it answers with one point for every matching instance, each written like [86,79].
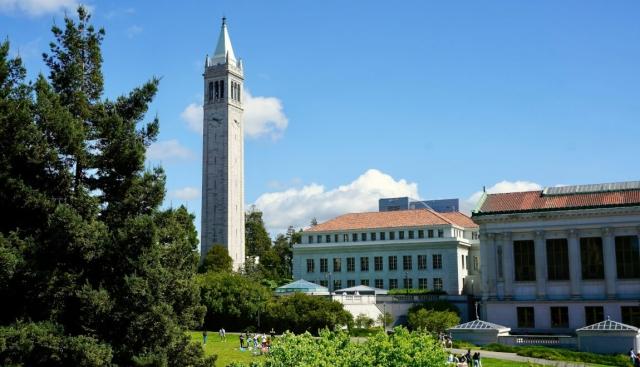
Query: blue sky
[356,100]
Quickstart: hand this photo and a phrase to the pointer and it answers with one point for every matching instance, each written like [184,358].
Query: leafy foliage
[558,354]
[363,321]
[432,321]
[301,313]
[87,255]
[257,240]
[440,305]
[217,259]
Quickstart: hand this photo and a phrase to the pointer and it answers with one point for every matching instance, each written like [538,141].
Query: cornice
[552,214]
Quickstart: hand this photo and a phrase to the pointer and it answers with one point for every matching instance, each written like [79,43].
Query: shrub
[432,321]
[558,354]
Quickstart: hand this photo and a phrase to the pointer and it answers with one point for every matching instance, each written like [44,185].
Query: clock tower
[223,152]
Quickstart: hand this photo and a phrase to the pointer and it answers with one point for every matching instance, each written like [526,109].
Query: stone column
[609,254]
[507,264]
[484,269]
[541,265]
[575,264]
[491,264]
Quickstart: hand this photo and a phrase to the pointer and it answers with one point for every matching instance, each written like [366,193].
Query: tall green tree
[87,256]
[217,259]
[257,240]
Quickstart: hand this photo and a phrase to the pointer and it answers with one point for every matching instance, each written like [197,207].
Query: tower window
[210,91]
[217,90]
[222,89]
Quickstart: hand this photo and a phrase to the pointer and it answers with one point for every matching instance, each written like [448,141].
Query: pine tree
[87,258]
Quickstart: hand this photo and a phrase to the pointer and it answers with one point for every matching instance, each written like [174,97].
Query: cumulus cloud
[297,206]
[168,150]
[503,186]
[263,117]
[185,193]
[36,7]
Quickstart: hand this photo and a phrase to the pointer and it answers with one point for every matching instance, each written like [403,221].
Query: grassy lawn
[227,352]
[490,362]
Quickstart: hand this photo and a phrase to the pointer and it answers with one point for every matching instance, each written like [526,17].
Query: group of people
[257,343]
[635,358]
[222,333]
[465,360]
[445,340]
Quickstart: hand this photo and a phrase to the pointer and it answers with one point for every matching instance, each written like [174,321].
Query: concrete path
[516,358]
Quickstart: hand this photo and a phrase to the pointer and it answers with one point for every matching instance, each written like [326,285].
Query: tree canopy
[89,263]
[217,259]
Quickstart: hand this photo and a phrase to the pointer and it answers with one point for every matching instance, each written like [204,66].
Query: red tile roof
[536,201]
[401,218]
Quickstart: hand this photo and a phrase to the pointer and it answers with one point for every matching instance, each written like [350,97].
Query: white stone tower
[223,152]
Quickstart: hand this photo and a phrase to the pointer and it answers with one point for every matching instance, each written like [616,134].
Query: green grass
[227,352]
[490,362]
[558,354]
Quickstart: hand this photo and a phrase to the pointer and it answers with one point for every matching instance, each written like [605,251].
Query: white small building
[420,249]
[557,259]
[478,332]
[608,337]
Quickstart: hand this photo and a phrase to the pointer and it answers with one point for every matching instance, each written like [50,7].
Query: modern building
[561,258]
[223,152]
[406,203]
[393,249]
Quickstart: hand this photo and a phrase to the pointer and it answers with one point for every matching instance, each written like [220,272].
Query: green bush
[365,332]
[461,344]
[413,291]
[431,320]
[440,305]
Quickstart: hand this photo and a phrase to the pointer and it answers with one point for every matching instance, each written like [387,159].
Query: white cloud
[297,206]
[502,186]
[193,115]
[263,117]
[36,7]
[185,193]
[133,31]
[168,150]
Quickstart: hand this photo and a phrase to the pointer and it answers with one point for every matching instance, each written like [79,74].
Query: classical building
[559,259]
[223,151]
[393,249]
[406,203]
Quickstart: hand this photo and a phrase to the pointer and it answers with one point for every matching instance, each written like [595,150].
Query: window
[345,238]
[310,239]
[379,283]
[526,318]
[363,236]
[430,233]
[364,282]
[217,95]
[324,283]
[401,235]
[373,236]
[210,91]
[627,257]
[437,284]
[222,89]
[335,238]
[421,233]
[319,238]
[310,266]
[630,315]
[354,237]
[462,261]
[392,236]
[524,260]
[422,283]
[351,283]
[474,235]
[337,284]
[557,259]
[422,262]
[377,263]
[441,233]
[324,265]
[437,261]
[327,238]
[407,283]
[364,263]
[559,317]
[383,236]
[591,258]
[337,264]
[500,262]
[593,314]
[406,262]
[411,235]
[476,263]
[393,283]
[393,263]
[351,264]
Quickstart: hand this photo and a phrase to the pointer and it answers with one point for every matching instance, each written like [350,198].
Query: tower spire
[224,50]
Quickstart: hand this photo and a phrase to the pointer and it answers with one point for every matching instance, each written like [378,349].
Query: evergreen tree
[257,240]
[217,259]
[87,258]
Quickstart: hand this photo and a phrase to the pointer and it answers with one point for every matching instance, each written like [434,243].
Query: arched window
[222,89]
[239,90]
[233,90]
[210,91]
[217,91]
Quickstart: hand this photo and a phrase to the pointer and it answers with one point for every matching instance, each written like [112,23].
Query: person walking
[204,336]
[224,334]
[241,341]
[467,357]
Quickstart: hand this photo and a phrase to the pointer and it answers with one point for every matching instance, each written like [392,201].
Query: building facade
[556,260]
[406,203]
[223,152]
[409,249]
